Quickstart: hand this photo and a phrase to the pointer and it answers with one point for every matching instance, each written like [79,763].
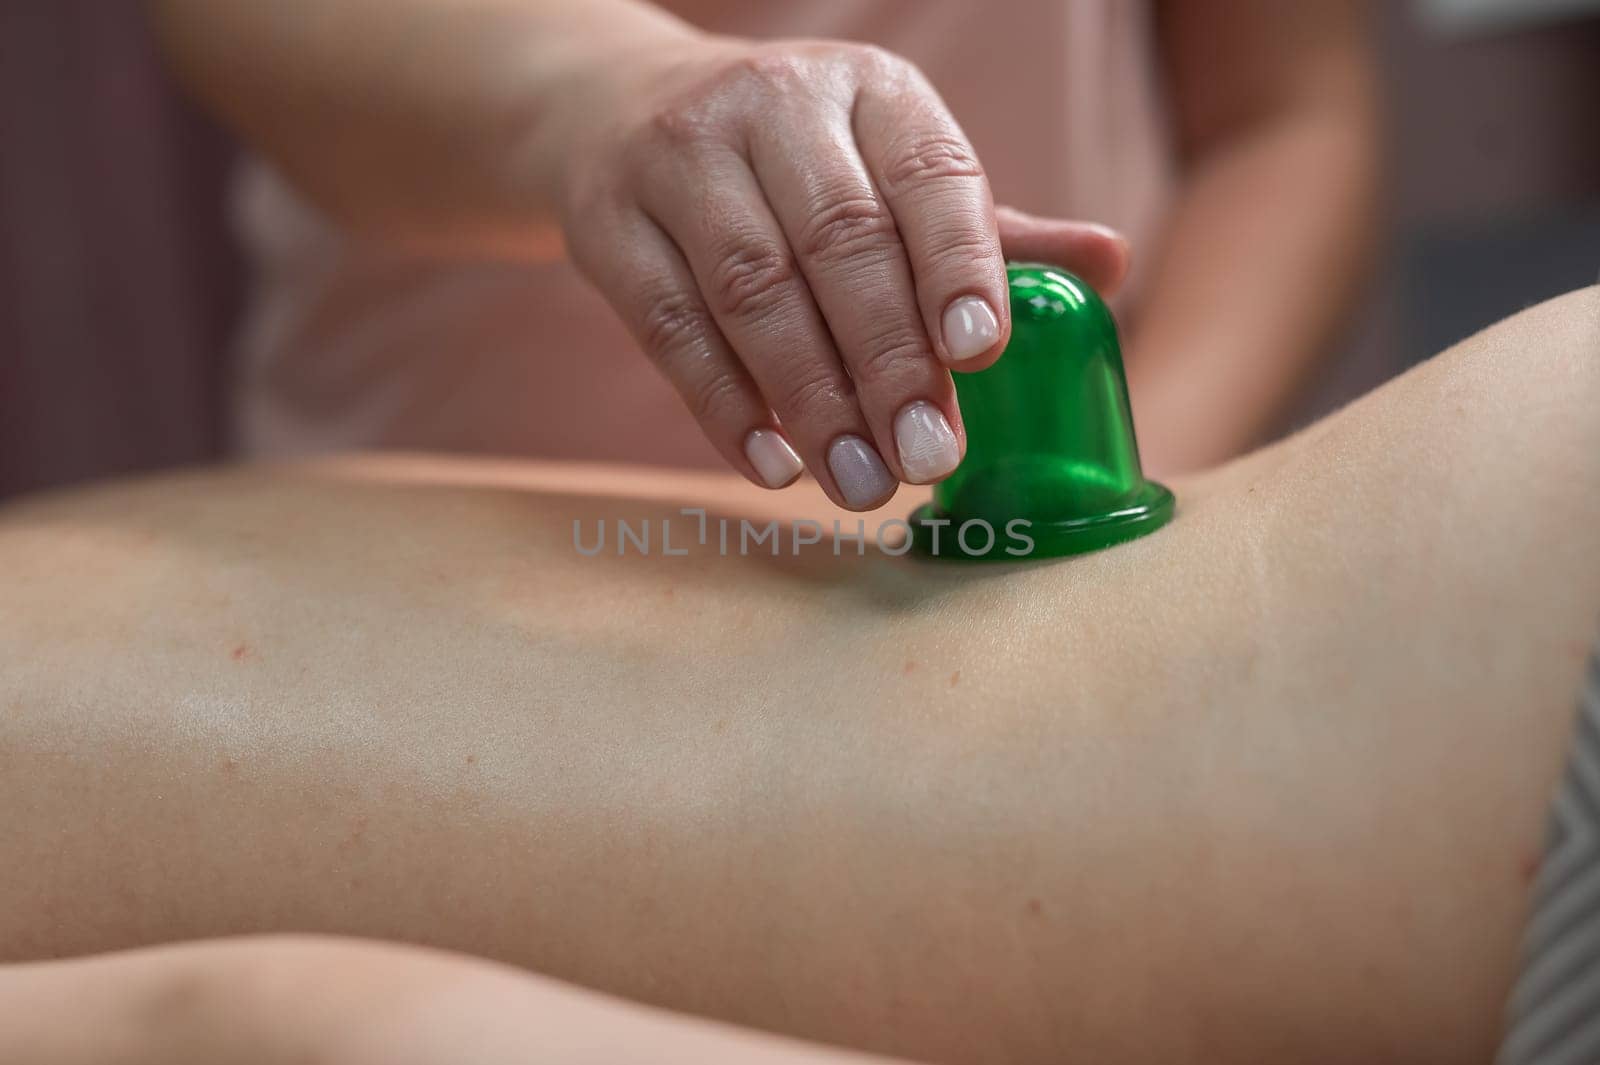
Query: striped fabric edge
[1553,1017]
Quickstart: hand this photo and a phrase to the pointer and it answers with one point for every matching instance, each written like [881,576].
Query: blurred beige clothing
[347,344]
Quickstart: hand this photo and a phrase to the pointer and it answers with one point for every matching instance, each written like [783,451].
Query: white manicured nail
[772,457]
[861,475]
[928,446]
[970,327]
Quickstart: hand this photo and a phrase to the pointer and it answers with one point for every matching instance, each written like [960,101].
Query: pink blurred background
[119,284]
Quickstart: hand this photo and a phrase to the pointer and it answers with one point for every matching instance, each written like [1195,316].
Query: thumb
[1096,253]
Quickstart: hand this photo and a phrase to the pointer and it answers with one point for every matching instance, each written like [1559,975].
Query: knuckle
[771,70]
[750,279]
[810,390]
[879,61]
[890,355]
[671,324]
[959,248]
[715,398]
[680,125]
[846,224]
[920,158]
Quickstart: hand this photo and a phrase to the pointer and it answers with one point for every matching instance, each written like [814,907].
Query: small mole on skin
[909,666]
[955,678]
[230,765]
[1530,867]
[1035,907]
[472,759]
[241,652]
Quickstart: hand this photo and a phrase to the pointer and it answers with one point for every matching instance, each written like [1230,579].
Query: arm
[440,122]
[797,233]
[1277,116]
[279,1000]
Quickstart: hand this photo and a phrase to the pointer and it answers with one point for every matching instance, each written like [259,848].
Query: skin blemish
[472,759]
[955,678]
[358,831]
[908,668]
[1529,869]
[230,765]
[241,652]
[1035,908]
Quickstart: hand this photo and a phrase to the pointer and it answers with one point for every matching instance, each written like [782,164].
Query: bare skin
[799,232]
[290,1000]
[1276,115]
[1263,786]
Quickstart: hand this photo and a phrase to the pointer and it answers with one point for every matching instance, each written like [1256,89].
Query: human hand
[800,236]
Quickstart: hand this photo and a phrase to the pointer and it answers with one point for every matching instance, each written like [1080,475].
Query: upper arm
[1233,63]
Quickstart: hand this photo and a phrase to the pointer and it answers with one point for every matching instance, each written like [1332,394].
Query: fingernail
[970,327]
[772,457]
[928,447]
[861,475]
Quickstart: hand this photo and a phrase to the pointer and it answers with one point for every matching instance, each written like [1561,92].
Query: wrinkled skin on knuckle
[846,223]
[750,278]
[672,324]
[804,391]
[924,156]
[715,400]
[893,359]
[957,247]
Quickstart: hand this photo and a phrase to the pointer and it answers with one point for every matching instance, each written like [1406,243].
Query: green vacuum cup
[1052,467]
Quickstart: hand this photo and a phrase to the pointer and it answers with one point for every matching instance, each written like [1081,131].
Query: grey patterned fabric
[1554,1016]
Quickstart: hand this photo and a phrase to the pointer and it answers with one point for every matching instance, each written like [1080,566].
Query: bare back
[1173,800]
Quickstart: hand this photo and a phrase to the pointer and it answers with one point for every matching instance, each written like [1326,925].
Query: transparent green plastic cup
[1052,466]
